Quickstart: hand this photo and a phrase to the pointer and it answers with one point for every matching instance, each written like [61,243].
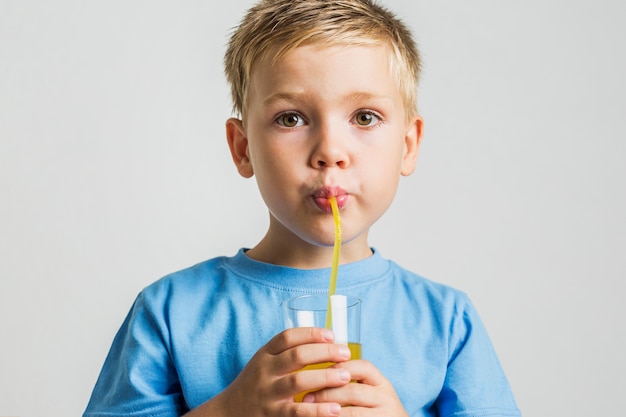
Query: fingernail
[328,335]
[308,398]
[335,409]
[344,375]
[344,351]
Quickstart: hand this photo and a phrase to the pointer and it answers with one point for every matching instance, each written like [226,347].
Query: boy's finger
[298,357]
[363,371]
[356,395]
[312,410]
[311,380]
[298,336]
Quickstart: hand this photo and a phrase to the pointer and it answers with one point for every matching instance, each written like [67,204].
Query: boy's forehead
[279,52]
[274,64]
[356,72]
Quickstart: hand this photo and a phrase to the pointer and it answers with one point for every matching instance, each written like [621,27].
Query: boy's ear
[238,145]
[412,141]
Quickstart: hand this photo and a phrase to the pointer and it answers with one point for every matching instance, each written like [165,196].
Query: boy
[326,94]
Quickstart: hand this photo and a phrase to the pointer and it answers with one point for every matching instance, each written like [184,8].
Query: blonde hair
[272,28]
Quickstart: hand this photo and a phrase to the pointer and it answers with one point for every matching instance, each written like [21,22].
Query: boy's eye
[289,120]
[366,118]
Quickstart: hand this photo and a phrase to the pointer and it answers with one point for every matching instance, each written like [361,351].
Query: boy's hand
[372,396]
[267,384]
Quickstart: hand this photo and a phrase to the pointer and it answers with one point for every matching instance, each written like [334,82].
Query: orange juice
[355,351]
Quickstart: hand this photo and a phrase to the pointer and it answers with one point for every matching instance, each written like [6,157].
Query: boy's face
[325,121]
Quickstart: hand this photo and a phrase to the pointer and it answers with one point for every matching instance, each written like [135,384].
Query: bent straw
[335,263]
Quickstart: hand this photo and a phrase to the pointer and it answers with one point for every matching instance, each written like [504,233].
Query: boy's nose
[330,151]
[328,162]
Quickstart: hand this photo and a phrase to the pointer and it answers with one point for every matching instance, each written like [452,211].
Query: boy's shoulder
[190,279]
[416,289]
[417,281]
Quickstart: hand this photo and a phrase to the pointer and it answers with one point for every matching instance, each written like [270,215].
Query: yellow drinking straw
[335,264]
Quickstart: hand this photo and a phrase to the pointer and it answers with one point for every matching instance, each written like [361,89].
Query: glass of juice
[312,311]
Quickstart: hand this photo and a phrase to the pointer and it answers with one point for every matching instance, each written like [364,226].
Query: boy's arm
[474,378]
[139,378]
[138,373]
[268,383]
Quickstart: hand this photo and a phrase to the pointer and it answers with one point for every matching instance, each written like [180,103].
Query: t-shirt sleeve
[475,384]
[138,377]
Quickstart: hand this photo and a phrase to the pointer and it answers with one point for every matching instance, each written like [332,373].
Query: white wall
[114,171]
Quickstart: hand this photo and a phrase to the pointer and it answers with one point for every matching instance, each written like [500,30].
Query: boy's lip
[321,198]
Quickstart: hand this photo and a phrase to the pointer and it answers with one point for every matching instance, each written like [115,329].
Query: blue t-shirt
[189,335]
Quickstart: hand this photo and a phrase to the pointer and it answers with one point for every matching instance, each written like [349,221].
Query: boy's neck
[305,255]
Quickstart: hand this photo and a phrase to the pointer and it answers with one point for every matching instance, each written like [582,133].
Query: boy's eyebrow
[365,96]
[351,97]
[282,97]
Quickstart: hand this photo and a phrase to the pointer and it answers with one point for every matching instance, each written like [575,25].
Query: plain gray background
[114,171]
